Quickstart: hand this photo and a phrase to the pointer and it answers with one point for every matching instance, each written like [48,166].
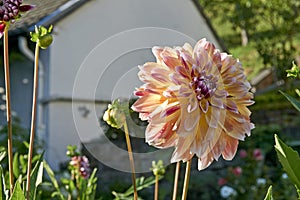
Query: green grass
[247,55]
[249,58]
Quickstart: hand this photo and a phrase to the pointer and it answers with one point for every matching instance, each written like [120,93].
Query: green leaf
[269,195]
[17,192]
[2,184]
[34,37]
[2,153]
[36,177]
[23,164]
[43,31]
[294,71]
[16,169]
[293,100]
[290,161]
[92,185]
[53,180]
[141,183]
[50,28]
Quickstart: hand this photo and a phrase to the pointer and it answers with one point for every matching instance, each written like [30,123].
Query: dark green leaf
[290,161]
[269,195]
[26,144]
[293,100]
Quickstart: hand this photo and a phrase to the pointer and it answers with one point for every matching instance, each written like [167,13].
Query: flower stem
[8,110]
[176,180]
[131,160]
[186,179]
[33,117]
[156,188]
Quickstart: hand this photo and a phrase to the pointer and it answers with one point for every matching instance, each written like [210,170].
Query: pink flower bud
[222,181]
[243,153]
[237,171]
[257,154]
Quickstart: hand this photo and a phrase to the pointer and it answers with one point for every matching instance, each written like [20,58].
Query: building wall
[21,76]
[95,55]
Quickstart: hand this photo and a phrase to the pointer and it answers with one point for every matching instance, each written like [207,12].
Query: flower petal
[25,8]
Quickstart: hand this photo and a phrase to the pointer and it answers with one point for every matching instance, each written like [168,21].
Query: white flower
[284,176]
[261,181]
[227,191]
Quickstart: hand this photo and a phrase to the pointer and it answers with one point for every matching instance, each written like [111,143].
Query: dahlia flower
[196,101]
[10,11]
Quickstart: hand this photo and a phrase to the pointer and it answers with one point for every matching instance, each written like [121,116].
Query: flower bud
[243,153]
[115,115]
[158,168]
[222,181]
[45,41]
[237,171]
[42,36]
[257,154]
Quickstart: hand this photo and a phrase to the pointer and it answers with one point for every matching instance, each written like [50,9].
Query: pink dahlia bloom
[195,100]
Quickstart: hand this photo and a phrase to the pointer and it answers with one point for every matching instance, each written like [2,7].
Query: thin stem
[8,110]
[186,179]
[131,160]
[156,188]
[33,117]
[175,188]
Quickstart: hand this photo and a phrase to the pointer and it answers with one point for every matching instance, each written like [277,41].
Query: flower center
[204,86]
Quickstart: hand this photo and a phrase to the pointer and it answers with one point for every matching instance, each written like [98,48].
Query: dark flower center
[204,86]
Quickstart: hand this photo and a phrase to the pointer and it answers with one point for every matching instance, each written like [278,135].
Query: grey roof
[45,12]
[48,12]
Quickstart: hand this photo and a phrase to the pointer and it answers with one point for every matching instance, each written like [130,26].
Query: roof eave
[52,18]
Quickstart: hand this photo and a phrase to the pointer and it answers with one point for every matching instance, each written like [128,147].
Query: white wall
[95,55]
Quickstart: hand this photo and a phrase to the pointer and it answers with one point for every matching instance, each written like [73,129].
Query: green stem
[156,188]
[33,117]
[8,111]
[130,160]
[186,179]
[175,188]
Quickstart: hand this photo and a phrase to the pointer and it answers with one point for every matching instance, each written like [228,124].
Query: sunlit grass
[250,59]
[247,55]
